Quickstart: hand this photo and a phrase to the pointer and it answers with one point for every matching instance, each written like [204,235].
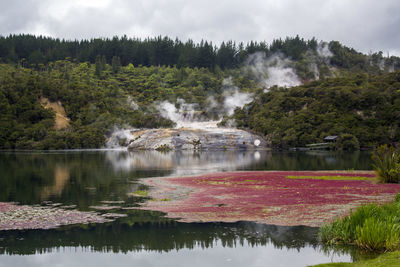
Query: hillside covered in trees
[362,108]
[104,84]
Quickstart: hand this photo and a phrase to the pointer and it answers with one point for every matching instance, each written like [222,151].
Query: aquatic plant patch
[335,177]
[266,197]
[19,217]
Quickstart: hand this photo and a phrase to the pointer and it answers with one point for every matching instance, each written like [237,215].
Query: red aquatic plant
[266,197]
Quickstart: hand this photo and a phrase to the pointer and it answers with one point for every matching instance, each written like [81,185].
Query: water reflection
[84,178]
[183,162]
[61,178]
[233,241]
[87,178]
[196,162]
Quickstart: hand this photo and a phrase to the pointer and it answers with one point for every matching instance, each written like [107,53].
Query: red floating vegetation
[266,197]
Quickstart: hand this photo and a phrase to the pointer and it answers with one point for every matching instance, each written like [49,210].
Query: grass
[387,164]
[370,227]
[140,193]
[337,177]
[389,259]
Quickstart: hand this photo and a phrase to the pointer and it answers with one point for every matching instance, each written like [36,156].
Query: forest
[37,51]
[362,109]
[105,84]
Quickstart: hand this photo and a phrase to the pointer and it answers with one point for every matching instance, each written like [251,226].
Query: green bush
[376,234]
[370,227]
[164,148]
[387,164]
[348,142]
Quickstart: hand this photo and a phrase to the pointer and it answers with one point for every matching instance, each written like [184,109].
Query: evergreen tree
[115,64]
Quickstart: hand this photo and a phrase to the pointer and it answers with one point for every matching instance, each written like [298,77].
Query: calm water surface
[143,238]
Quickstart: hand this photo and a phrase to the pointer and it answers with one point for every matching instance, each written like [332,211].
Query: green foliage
[324,177]
[362,109]
[164,147]
[104,83]
[141,193]
[347,142]
[96,98]
[376,234]
[37,51]
[370,227]
[387,164]
[390,259]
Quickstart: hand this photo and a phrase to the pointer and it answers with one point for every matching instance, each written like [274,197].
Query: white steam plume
[132,104]
[323,50]
[185,116]
[233,97]
[273,70]
[119,138]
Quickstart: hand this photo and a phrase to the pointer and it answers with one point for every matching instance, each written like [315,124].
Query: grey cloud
[363,24]
[18,16]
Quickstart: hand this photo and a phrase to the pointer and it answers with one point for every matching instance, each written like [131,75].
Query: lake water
[144,238]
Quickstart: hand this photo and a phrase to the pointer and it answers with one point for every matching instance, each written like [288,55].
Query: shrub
[387,164]
[164,148]
[348,142]
[377,234]
[370,227]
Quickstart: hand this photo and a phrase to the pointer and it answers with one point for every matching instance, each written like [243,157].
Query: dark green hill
[96,103]
[363,106]
[119,82]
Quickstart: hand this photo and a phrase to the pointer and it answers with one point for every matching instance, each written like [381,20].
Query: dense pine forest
[37,51]
[107,83]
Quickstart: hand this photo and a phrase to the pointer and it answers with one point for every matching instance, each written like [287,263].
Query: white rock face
[194,139]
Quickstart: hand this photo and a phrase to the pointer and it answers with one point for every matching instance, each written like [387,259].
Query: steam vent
[194,139]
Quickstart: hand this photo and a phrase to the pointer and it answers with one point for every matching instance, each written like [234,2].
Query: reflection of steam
[183,162]
[61,177]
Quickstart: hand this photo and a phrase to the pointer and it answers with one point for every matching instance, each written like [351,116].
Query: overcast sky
[366,25]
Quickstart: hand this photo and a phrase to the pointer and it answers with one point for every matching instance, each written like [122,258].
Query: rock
[194,139]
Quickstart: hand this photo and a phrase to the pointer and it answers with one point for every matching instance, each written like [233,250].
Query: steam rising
[132,104]
[233,97]
[186,115]
[119,138]
[274,70]
[323,50]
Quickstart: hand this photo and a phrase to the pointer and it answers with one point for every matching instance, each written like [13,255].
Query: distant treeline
[35,51]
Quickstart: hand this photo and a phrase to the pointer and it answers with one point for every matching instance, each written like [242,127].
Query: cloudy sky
[366,25]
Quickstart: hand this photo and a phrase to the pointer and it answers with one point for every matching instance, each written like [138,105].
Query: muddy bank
[278,197]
